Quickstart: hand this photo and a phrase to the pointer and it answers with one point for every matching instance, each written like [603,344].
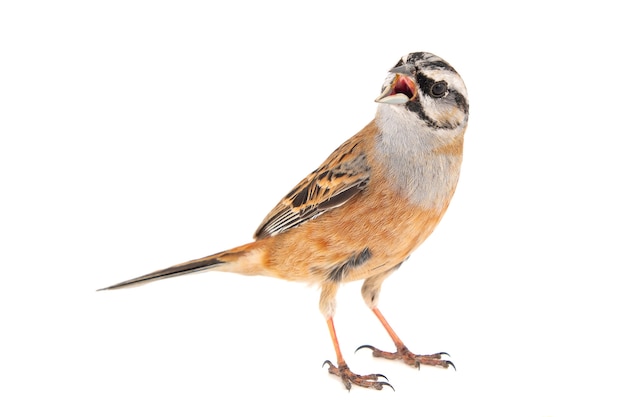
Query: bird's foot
[348,377]
[411,358]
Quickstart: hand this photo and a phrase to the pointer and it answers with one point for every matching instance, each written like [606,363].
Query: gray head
[429,88]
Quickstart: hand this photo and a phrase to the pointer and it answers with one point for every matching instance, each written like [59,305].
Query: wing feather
[340,178]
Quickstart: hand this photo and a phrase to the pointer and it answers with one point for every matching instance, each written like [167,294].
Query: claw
[365,346]
[410,358]
[348,377]
[387,384]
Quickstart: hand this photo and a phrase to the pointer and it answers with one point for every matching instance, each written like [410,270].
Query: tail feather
[185,268]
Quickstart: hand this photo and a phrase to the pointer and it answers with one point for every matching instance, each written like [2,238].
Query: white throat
[408,148]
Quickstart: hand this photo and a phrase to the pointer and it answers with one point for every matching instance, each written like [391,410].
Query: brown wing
[343,175]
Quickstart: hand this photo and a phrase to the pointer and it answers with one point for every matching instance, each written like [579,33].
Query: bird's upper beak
[401,88]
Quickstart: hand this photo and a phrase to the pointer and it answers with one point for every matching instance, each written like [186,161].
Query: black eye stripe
[425,82]
[461,102]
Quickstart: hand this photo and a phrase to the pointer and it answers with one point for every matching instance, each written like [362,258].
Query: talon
[411,359]
[387,384]
[347,384]
[349,378]
[365,346]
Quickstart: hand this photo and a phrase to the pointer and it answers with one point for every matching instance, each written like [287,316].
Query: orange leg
[347,376]
[403,353]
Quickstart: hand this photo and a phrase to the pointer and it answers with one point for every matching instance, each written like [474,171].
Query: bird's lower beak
[400,90]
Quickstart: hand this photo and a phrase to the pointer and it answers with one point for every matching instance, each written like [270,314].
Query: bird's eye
[439,89]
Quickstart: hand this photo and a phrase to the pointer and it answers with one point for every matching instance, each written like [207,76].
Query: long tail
[190,267]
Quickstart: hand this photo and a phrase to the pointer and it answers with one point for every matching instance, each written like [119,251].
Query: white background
[135,135]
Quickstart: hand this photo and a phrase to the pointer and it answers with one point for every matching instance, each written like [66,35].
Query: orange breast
[378,221]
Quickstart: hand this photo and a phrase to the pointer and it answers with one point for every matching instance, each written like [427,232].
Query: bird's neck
[423,163]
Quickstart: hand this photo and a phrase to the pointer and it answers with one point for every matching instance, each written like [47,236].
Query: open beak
[402,87]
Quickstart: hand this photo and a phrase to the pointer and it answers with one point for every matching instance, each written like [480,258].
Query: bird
[367,207]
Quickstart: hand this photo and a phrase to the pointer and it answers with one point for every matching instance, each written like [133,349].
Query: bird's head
[429,88]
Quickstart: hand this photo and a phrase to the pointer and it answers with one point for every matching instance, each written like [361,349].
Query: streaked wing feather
[342,176]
